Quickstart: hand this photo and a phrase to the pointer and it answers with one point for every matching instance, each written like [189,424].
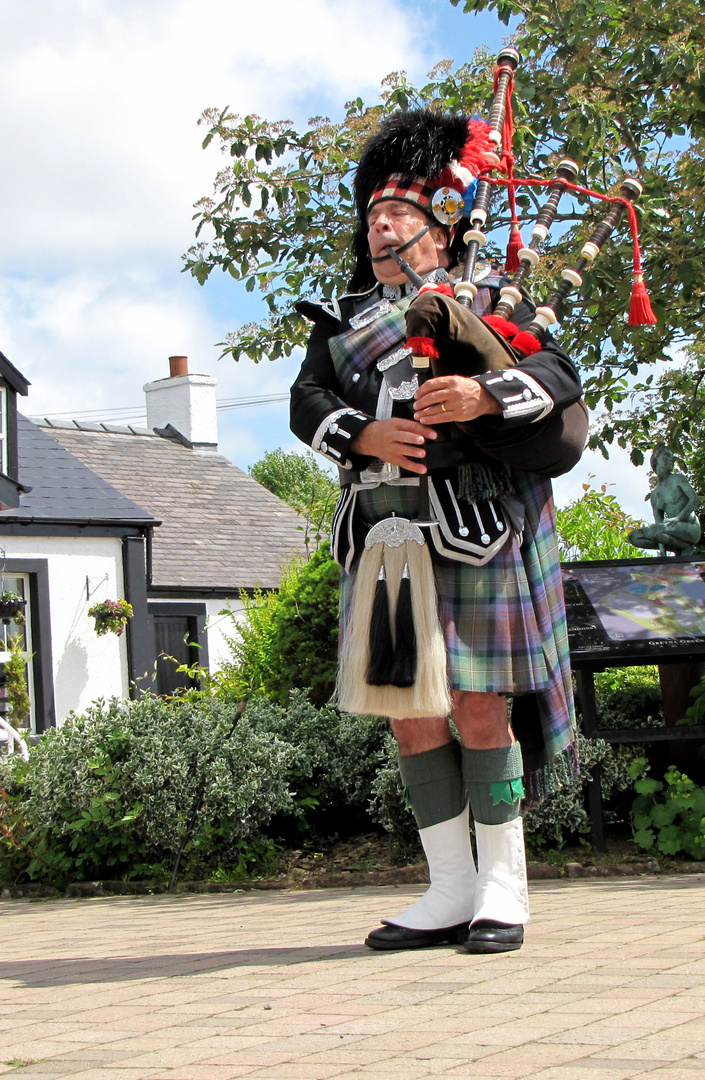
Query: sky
[99,104]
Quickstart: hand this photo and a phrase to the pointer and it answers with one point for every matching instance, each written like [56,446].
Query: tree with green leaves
[620,89]
[300,482]
[595,526]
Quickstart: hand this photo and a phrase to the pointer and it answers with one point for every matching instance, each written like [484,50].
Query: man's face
[394,222]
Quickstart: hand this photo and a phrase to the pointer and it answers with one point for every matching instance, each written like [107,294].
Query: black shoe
[490,937]
[391,936]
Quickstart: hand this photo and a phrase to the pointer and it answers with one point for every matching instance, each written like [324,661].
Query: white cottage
[154,515]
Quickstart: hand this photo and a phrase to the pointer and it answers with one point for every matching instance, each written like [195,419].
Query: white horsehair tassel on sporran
[394,613]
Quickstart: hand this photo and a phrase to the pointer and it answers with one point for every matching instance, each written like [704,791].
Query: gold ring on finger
[443,408]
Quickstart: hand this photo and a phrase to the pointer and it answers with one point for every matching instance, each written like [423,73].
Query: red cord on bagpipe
[507,159]
[640,310]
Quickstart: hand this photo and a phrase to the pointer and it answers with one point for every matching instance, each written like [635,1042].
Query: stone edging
[416,874]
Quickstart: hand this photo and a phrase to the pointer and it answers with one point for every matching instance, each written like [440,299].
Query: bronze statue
[673,502]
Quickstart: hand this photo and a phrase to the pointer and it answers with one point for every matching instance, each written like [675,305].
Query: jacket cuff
[521,398]
[335,434]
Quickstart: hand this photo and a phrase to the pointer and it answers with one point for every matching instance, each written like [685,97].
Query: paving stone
[179,988]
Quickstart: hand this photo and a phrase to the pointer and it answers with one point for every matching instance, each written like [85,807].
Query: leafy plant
[563,813]
[11,605]
[668,816]
[695,713]
[595,527]
[249,667]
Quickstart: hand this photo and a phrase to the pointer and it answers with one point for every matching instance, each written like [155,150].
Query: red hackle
[503,327]
[437,286]
[526,343]
[422,346]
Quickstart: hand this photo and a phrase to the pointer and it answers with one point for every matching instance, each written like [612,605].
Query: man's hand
[453,398]
[397,441]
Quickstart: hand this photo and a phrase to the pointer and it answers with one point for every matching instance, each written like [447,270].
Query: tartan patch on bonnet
[419,191]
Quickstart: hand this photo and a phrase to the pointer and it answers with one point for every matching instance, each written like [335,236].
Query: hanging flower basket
[11,607]
[111,616]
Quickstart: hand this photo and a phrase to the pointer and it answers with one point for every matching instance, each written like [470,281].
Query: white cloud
[98,107]
[103,161]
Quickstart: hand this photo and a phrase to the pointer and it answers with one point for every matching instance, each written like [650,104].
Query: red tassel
[640,310]
[422,346]
[504,327]
[526,343]
[513,248]
[437,286]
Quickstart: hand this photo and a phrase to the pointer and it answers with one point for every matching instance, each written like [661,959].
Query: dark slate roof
[220,529]
[64,488]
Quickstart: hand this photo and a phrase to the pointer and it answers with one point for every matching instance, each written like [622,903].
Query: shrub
[563,813]
[289,639]
[595,527]
[108,793]
[305,640]
[629,697]
[334,761]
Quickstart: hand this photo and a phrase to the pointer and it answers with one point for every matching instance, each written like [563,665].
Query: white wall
[85,666]
[217,625]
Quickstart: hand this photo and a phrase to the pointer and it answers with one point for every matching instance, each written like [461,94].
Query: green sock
[434,784]
[494,781]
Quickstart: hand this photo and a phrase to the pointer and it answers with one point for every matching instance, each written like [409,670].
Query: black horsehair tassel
[404,668]
[379,669]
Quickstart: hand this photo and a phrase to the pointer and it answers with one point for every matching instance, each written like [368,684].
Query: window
[30,579]
[4,456]
[18,632]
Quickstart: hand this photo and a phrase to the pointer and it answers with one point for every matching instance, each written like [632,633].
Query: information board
[635,610]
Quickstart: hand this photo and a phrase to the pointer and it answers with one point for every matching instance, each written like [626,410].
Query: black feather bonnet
[421,147]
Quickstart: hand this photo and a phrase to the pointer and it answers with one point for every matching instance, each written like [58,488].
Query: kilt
[504,623]
[486,612]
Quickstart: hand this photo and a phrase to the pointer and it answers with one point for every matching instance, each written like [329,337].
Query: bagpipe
[393,659]
[446,337]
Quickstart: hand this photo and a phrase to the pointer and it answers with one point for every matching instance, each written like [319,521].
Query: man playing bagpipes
[451,600]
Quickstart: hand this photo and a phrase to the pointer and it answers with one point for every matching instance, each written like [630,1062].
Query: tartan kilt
[493,633]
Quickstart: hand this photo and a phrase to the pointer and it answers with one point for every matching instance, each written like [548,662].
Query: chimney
[186,402]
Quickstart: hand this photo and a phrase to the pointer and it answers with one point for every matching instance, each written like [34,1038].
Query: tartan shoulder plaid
[356,350]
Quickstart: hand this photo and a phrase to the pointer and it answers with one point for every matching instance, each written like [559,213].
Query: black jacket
[531,394]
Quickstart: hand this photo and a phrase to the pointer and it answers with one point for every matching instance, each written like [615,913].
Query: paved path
[611,984]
